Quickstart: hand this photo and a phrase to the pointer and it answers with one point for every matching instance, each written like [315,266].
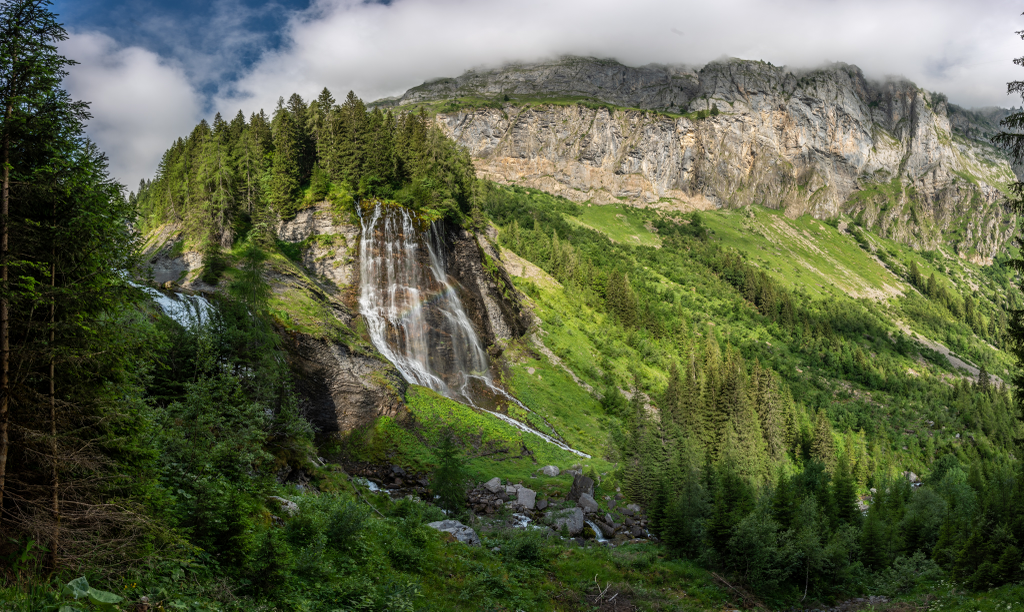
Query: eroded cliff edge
[824,142]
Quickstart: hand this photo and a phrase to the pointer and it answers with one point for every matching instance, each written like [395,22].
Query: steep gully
[415,318]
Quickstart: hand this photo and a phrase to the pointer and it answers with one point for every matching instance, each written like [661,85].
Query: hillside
[366,379]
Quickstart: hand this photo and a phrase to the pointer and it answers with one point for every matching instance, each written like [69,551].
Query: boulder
[290,508]
[912,477]
[588,504]
[542,504]
[493,485]
[636,510]
[526,498]
[550,470]
[580,485]
[606,529]
[462,533]
[572,518]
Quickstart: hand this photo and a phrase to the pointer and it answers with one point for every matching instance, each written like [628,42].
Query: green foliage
[448,482]
[268,168]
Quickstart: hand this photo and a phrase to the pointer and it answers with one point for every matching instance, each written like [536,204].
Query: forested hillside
[684,410]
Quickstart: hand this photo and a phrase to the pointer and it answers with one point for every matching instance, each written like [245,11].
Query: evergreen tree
[66,240]
[287,164]
[449,478]
[823,446]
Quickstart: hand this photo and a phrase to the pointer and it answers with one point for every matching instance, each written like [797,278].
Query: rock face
[462,533]
[822,142]
[667,87]
[341,389]
[526,498]
[328,248]
[588,503]
[488,295]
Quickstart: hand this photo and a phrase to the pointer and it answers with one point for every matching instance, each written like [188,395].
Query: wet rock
[550,470]
[588,504]
[580,485]
[606,529]
[340,389]
[462,533]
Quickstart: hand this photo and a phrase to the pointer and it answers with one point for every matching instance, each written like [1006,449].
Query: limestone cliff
[824,142]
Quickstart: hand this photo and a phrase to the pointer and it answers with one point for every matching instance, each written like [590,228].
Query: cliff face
[823,142]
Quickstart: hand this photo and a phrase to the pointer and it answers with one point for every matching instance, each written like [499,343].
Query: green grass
[493,447]
[624,224]
[804,253]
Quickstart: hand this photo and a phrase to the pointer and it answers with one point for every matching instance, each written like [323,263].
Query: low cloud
[963,49]
[140,103]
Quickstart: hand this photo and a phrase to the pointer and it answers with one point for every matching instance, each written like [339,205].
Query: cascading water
[414,315]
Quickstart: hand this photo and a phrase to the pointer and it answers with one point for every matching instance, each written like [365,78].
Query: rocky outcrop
[339,388]
[459,532]
[823,142]
[654,86]
[328,248]
[487,293]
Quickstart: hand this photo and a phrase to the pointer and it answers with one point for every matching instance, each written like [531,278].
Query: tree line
[224,178]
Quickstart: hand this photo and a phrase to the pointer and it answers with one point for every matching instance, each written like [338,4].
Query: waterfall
[414,315]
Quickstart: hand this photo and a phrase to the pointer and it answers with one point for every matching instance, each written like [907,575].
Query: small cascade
[186,310]
[414,315]
[598,534]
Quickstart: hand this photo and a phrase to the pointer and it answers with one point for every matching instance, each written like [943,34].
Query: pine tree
[672,400]
[448,481]
[710,391]
[65,240]
[915,274]
[823,446]
[287,165]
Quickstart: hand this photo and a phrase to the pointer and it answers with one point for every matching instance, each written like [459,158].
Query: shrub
[906,573]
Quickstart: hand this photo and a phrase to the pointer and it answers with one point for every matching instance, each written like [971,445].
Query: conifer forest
[329,357]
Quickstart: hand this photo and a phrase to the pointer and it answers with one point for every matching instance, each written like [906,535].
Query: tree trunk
[55,497]
[5,340]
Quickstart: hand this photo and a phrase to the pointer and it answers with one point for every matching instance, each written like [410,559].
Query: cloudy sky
[153,68]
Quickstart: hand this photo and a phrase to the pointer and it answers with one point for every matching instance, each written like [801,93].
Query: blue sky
[153,68]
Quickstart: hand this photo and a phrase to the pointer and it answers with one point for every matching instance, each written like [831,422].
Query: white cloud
[961,48]
[139,102]
[142,102]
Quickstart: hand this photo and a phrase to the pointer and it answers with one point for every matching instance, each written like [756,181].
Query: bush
[906,573]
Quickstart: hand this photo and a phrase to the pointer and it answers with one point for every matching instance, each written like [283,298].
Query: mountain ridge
[826,142]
